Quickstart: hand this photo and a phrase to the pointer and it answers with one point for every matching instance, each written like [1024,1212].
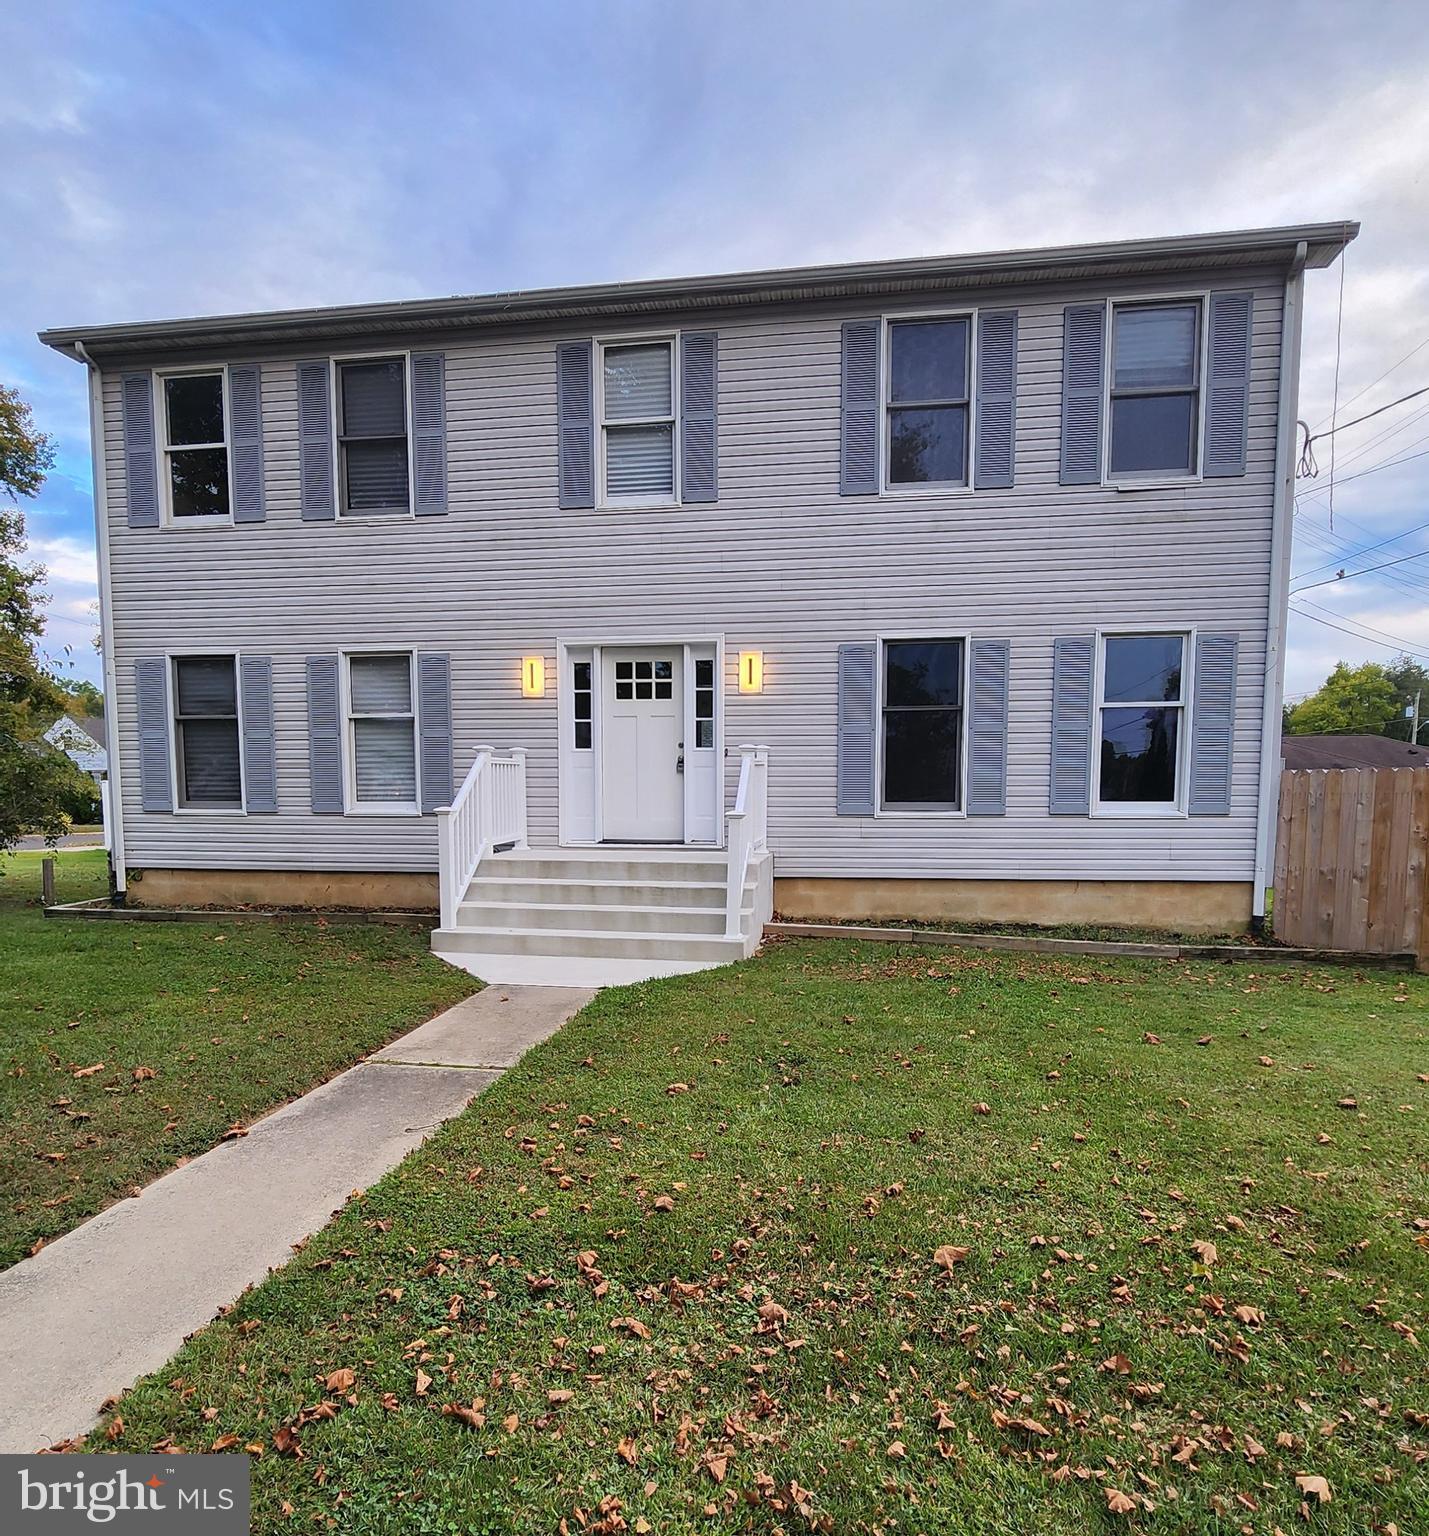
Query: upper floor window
[372,436]
[195,445]
[206,729]
[927,401]
[922,724]
[1141,722]
[637,422]
[382,731]
[1155,389]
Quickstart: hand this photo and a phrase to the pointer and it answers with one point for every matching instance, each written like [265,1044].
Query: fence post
[47,881]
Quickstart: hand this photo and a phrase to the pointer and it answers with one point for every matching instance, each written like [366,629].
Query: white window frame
[171,685]
[900,812]
[1154,480]
[888,487]
[352,805]
[604,501]
[161,418]
[335,366]
[1143,810]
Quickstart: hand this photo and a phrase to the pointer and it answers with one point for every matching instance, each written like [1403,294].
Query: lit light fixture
[533,677]
[751,671]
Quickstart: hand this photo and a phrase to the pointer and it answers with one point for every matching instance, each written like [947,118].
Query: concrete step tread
[557,882]
[481,907]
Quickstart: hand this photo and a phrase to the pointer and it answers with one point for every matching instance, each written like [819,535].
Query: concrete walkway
[69,840]
[112,1300]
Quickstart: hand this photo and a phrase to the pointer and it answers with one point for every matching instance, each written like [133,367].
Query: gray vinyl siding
[780,562]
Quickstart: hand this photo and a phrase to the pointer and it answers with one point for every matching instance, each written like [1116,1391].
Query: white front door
[642,745]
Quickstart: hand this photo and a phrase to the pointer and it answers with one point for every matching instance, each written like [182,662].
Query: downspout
[1277,618]
[106,621]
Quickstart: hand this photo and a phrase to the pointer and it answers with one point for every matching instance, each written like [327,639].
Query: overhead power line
[1393,368]
[1344,630]
[1365,549]
[1308,468]
[1349,575]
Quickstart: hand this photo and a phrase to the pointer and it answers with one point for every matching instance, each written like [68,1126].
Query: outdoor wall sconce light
[751,671]
[533,677]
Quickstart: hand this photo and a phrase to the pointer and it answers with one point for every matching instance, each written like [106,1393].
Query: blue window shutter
[996,398]
[1083,392]
[315,441]
[429,431]
[1212,725]
[434,726]
[856,729]
[151,695]
[858,450]
[260,766]
[1228,384]
[245,426]
[699,370]
[1070,792]
[575,423]
[141,477]
[324,735]
[987,730]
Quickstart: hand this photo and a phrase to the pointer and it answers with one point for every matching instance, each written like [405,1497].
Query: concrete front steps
[602,916]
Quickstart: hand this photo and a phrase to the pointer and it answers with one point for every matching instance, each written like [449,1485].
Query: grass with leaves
[128,1046]
[851,1239]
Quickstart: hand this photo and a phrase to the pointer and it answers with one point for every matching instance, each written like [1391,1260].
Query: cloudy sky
[164,159]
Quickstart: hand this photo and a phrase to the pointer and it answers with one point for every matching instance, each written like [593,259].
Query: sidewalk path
[112,1300]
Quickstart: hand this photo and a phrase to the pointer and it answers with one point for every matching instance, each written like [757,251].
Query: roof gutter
[1277,619]
[115,802]
[1275,247]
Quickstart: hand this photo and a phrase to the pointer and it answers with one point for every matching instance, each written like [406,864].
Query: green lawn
[852,1238]
[193,1027]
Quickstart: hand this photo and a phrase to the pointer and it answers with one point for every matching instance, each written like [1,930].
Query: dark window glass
[1155,398]
[922,722]
[376,473]
[1138,755]
[206,725]
[582,674]
[198,480]
[582,704]
[583,734]
[1143,669]
[704,703]
[373,433]
[373,402]
[927,447]
[928,360]
[704,674]
[195,407]
[923,672]
[920,757]
[704,733]
[1151,433]
[209,762]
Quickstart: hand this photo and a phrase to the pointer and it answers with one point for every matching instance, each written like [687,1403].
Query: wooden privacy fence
[1351,851]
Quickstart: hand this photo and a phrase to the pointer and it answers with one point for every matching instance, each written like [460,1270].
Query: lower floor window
[1141,726]
[206,727]
[922,724]
[383,730]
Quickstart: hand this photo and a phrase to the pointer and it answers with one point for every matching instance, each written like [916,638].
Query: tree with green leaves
[1352,701]
[1409,677]
[36,782]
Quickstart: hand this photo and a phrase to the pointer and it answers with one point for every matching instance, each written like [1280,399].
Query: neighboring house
[83,739]
[987,554]
[1352,752]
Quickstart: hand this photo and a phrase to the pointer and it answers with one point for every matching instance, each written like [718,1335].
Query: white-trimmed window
[1141,723]
[208,765]
[193,414]
[373,469]
[381,731]
[927,401]
[582,700]
[1155,383]
[921,704]
[637,423]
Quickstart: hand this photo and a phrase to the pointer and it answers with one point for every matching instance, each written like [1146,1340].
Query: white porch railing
[488,810]
[746,829]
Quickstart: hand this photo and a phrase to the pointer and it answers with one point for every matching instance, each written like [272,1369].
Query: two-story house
[606,618]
